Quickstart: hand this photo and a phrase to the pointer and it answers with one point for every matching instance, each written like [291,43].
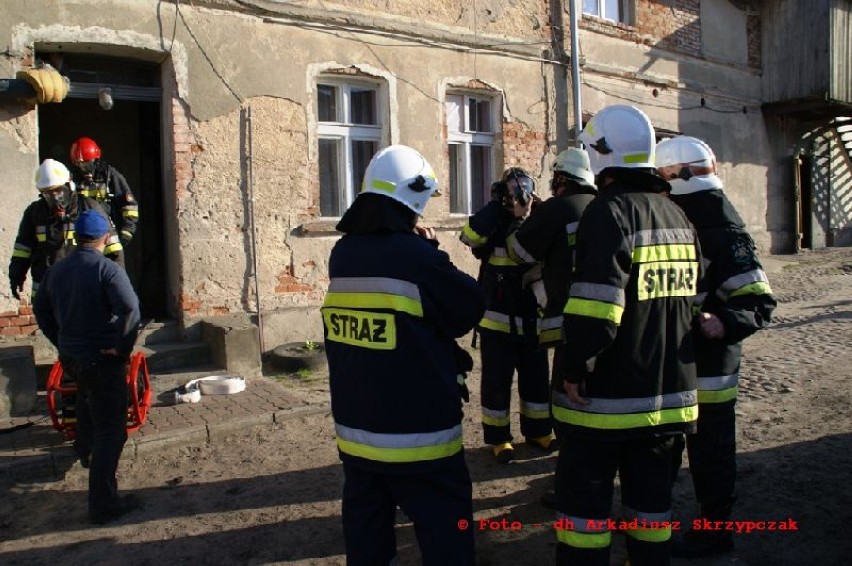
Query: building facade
[244,126]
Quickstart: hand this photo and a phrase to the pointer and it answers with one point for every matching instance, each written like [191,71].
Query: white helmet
[401,173]
[688,164]
[575,162]
[619,136]
[51,174]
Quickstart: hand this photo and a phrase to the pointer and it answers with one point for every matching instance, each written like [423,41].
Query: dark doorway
[129,137]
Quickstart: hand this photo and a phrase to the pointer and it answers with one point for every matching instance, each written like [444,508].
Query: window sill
[326,227]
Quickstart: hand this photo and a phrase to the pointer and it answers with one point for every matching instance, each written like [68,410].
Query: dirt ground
[271,494]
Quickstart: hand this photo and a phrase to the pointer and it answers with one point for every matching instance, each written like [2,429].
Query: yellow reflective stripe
[41,237]
[376,331]
[113,248]
[759,288]
[374,301]
[399,455]
[500,261]
[127,234]
[594,309]
[495,421]
[648,534]
[21,253]
[69,235]
[717,396]
[548,336]
[617,421]
[572,239]
[471,237]
[583,540]
[664,252]
[532,412]
[636,158]
[500,322]
[130,213]
[386,186]
[381,448]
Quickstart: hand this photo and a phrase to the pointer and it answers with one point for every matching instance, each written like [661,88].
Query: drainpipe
[575,69]
[250,190]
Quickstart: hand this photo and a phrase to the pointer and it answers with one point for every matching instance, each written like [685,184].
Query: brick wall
[675,24]
[523,147]
[18,323]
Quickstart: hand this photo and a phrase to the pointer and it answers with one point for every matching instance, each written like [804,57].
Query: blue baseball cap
[91,224]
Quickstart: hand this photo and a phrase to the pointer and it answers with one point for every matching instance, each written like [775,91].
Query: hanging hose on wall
[48,84]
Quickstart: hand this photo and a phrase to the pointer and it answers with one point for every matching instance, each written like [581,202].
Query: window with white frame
[350,132]
[615,10]
[470,135]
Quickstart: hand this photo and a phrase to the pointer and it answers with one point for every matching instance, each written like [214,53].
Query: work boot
[122,507]
[503,453]
[547,443]
[699,543]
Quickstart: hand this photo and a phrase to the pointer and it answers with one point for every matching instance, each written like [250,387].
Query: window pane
[329,173]
[362,152]
[362,106]
[458,201]
[480,175]
[327,103]
[480,115]
[591,7]
[454,107]
[613,10]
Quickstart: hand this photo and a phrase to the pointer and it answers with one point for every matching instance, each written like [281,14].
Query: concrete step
[171,357]
[158,332]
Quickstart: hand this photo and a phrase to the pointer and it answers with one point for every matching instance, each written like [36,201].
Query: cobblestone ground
[269,494]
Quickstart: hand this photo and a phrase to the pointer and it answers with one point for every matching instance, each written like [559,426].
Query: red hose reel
[139,395]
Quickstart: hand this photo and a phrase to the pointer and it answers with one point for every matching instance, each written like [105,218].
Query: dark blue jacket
[395,306]
[86,304]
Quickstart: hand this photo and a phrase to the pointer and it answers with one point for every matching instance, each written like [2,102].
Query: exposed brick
[25,309]
[29,329]
[10,331]
[5,321]
[21,320]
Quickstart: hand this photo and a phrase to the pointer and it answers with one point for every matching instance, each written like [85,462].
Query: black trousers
[102,400]
[585,474]
[713,459]
[436,502]
[501,357]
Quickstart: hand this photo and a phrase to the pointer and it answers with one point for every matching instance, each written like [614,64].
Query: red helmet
[85,149]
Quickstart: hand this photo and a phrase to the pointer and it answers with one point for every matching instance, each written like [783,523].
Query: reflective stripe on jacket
[628,315]
[511,304]
[734,288]
[548,236]
[394,306]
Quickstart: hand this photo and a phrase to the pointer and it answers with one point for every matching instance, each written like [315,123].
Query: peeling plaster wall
[222,59]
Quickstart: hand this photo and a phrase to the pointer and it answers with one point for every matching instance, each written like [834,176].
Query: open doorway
[129,137]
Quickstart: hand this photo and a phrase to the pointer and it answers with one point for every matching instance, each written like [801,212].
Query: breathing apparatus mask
[58,199]
[515,186]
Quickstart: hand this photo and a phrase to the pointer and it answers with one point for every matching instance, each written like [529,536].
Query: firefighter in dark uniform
[734,301]
[630,386]
[46,232]
[548,236]
[394,307]
[509,329]
[101,181]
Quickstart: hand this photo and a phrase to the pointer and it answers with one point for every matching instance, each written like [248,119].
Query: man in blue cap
[88,310]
